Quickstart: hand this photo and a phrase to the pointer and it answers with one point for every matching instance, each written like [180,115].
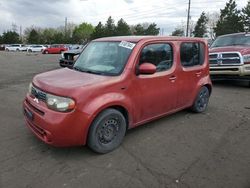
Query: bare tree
[211,24]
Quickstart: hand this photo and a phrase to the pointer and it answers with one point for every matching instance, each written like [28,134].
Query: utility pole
[188,18]
[66,23]
[21,33]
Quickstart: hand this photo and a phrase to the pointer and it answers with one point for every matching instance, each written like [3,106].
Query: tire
[46,52]
[17,50]
[201,101]
[29,50]
[107,131]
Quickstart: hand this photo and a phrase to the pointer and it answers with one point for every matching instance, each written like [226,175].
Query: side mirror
[147,68]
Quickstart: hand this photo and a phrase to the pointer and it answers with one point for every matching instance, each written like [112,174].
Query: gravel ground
[210,150]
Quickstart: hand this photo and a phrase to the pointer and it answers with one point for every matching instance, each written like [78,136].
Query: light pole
[188,18]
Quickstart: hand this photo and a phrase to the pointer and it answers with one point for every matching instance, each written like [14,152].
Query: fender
[95,106]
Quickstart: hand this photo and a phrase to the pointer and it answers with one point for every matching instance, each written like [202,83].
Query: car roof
[139,38]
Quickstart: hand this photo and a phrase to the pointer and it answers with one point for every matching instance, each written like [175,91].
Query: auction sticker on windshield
[126,44]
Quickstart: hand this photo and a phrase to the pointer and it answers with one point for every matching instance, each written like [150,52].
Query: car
[36,48]
[15,47]
[230,57]
[69,57]
[2,47]
[116,84]
[55,49]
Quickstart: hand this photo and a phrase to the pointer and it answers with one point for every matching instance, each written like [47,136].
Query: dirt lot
[183,150]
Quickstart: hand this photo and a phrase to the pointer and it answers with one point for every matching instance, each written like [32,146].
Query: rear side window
[161,55]
[192,54]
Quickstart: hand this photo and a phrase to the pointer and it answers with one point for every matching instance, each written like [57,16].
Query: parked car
[69,57]
[118,83]
[2,47]
[36,48]
[230,57]
[16,47]
[55,49]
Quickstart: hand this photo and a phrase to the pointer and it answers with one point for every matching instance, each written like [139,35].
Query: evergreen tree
[201,26]
[33,37]
[109,27]
[139,30]
[10,37]
[152,29]
[230,20]
[178,32]
[246,14]
[122,28]
[99,31]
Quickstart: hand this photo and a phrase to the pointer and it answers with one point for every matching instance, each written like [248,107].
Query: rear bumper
[55,128]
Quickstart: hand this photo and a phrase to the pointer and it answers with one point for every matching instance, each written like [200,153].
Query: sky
[167,14]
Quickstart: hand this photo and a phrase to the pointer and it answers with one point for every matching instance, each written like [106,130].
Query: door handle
[172,78]
[198,74]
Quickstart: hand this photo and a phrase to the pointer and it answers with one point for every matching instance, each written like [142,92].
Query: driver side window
[161,55]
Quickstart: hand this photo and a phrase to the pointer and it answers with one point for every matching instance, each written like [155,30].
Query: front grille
[68,56]
[227,58]
[38,94]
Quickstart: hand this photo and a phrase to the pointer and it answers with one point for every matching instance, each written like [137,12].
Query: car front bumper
[55,128]
[242,70]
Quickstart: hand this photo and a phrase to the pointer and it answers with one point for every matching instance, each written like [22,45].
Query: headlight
[30,88]
[75,57]
[62,55]
[246,58]
[61,104]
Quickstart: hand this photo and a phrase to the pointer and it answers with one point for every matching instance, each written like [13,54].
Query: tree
[212,20]
[122,28]
[246,14]
[201,26]
[138,30]
[82,32]
[33,37]
[178,32]
[10,37]
[230,20]
[110,27]
[48,35]
[99,31]
[152,29]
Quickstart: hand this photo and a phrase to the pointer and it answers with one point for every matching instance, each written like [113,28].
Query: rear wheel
[201,101]
[29,50]
[46,52]
[107,131]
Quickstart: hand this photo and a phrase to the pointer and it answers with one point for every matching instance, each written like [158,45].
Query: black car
[68,57]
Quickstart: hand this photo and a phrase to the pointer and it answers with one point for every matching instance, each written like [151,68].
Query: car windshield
[106,58]
[232,40]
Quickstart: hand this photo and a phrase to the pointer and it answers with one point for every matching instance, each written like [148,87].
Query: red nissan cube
[118,83]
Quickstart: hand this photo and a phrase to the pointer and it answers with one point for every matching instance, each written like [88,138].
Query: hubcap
[203,99]
[108,130]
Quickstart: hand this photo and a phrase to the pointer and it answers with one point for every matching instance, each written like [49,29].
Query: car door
[156,92]
[192,70]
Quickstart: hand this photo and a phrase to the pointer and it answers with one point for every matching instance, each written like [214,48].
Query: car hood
[76,51]
[67,82]
[241,49]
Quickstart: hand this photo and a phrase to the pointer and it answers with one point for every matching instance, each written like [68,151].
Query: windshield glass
[106,58]
[232,40]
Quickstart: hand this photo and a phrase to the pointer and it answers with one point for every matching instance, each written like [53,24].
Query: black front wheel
[201,101]
[107,131]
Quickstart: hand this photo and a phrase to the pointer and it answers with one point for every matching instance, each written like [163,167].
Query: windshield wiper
[87,71]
